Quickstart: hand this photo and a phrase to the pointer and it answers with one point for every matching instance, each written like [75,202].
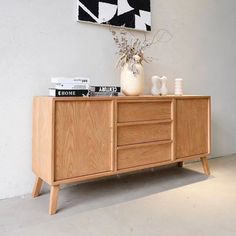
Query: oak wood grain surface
[83,138]
[124,98]
[143,111]
[144,133]
[42,138]
[143,155]
[192,127]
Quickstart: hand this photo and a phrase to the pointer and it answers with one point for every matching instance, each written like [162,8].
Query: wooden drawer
[144,111]
[133,134]
[143,155]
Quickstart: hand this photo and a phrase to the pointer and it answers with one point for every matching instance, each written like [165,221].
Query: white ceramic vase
[164,89]
[179,86]
[132,84]
[155,85]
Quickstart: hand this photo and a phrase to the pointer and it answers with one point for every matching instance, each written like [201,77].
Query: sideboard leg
[37,187]
[53,199]
[180,164]
[205,165]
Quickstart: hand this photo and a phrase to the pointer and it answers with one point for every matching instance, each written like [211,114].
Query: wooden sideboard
[78,139]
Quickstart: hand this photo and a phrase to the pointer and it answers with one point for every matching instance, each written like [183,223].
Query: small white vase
[164,89]
[179,86]
[155,85]
[132,84]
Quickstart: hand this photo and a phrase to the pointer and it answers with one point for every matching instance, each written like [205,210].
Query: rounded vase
[132,84]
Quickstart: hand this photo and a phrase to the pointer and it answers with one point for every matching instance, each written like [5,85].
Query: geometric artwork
[134,14]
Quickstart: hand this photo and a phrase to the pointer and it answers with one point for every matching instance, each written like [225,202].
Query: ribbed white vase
[179,86]
[132,84]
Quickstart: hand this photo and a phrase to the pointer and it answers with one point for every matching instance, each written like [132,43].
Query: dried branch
[130,46]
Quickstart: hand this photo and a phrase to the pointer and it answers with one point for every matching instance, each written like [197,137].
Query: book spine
[106,94]
[77,80]
[72,86]
[69,92]
[105,89]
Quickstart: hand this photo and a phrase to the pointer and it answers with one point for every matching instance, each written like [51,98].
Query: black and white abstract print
[134,14]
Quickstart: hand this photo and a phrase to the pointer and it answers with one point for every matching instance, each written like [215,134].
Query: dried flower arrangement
[131,49]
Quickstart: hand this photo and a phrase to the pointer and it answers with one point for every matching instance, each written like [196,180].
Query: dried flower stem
[130,46]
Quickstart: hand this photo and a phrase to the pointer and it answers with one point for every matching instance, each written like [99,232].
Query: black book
[68,92]
[105,89]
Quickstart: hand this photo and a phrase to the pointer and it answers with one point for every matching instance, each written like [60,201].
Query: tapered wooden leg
[37,187]
[53,199]
[205,165]
[180,164]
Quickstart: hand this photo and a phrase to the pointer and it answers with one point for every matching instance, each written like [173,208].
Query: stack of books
[104,91]
[69,87]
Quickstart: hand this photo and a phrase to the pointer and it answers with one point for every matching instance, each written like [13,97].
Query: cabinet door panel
[83,138]
[192,127]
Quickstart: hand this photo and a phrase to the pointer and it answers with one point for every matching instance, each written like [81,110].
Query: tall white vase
[164,89]
[179,86]
[155,85]
[132,84]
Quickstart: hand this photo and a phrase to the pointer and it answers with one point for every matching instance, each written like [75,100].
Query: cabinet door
[192,127]
[83,138]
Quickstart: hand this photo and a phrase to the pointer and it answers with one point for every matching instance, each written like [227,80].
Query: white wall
[41,38]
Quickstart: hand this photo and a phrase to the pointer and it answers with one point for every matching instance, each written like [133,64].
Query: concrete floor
[169,201]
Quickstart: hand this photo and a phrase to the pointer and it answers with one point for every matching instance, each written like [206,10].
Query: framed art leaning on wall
[133,14]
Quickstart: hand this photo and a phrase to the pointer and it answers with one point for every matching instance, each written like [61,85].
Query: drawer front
[134,134]
[141,156]
[144,111]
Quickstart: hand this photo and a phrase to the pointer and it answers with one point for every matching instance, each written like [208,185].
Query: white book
[71,86]
[69,80]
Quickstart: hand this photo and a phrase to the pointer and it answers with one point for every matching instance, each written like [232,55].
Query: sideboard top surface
[144,97]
